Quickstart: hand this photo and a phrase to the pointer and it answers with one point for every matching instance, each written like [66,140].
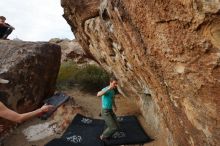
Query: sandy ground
[40,132]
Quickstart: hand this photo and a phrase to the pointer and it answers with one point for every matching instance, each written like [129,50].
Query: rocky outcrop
[31,69]
[167,57]
[72,50]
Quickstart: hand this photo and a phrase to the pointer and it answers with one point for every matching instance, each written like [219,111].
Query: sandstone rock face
[32,70]
[167,57]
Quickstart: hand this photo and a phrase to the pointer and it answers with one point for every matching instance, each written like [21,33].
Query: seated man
[5,28]
[11,115]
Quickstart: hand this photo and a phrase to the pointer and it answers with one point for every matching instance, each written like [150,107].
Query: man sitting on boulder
[11,115]
[5,28]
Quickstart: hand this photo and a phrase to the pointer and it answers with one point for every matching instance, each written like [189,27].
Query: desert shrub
[88,76]
[66,74]
[92,77]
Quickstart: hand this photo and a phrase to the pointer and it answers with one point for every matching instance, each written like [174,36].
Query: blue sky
[35,20]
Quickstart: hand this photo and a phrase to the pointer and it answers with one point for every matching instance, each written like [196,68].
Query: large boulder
[167,57]
[31,69]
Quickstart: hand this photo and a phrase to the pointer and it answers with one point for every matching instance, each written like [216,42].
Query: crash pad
[56,100]
[85,131]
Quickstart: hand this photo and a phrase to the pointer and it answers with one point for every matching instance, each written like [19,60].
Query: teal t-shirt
[107,98]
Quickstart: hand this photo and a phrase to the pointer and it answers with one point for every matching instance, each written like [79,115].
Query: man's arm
[6,25]
[102,92]
[8,114]
[9,26]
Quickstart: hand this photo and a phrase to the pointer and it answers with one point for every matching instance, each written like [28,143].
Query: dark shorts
[3,97]
[5,31]
[2,31]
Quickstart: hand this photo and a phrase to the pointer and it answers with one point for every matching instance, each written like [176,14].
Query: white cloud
[35,20]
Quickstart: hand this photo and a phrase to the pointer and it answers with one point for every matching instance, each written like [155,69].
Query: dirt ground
[37,132]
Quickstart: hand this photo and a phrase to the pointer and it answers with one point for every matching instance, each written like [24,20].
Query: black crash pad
[56,100]
[130,132]
[84,131]
[59,142]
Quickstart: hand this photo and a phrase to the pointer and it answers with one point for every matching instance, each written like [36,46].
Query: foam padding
[59,142]
[84,131]
[130,132]
[56,100]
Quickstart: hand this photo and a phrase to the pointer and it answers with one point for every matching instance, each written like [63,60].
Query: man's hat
[3,81]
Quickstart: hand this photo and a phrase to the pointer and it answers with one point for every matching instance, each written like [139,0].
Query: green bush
[66,74]
[92,77]
[89,77]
